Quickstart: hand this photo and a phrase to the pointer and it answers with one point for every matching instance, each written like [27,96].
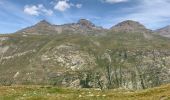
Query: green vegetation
[55,93]
[136,60]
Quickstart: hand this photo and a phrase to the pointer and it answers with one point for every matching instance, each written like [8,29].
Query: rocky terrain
[83,55]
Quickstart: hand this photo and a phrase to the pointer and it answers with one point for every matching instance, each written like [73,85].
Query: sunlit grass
[55,93]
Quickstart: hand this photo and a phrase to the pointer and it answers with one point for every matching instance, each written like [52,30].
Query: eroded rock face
[3,49]
[69,56]
[150,68]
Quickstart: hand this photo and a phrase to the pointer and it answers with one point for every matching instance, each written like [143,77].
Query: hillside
[83,55]
[165,31]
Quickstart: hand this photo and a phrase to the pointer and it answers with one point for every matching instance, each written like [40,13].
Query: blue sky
[18,14]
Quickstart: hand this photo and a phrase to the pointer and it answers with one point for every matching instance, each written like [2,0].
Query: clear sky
[18,14]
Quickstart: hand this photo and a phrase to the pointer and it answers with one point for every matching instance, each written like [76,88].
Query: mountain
[42,27]
[164,31]
[83,26]
[130,26]
[86,24]
[127,56]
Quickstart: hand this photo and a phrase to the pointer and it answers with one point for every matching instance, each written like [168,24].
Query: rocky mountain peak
[42,27]
[85,22]
[43,22]
[130,26]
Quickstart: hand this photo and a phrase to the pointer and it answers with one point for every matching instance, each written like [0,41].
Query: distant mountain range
[84,26]
[83,55]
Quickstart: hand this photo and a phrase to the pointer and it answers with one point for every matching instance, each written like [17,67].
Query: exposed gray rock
[69,56]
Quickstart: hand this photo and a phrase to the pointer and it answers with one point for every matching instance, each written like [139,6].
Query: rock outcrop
[77,55]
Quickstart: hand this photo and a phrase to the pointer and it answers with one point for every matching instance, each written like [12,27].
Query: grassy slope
[19,44]
[42,43]
[54,93]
